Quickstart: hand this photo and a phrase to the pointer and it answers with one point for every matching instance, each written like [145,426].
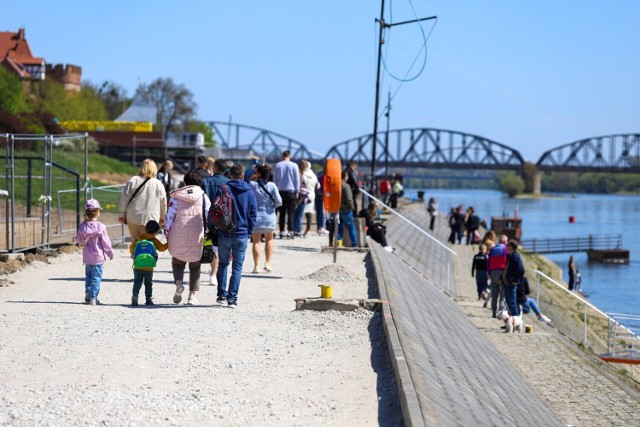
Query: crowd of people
[266,203]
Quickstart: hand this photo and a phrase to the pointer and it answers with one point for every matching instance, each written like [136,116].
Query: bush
[12,124]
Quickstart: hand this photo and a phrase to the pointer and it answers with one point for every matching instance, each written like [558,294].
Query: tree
[202,127]
[529,176]
[511,184]
[12,98]
[114,98]
[174,102]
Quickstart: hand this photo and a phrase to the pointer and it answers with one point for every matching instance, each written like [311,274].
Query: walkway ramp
[448,372]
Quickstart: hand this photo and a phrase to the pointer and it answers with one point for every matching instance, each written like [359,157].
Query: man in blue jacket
[513,275]
[234,243]
[211,186]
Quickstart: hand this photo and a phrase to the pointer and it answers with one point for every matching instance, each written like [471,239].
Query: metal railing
[573,244]
[439,253]
[618,336]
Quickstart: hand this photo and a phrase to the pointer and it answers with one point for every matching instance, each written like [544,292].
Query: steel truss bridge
[440,148]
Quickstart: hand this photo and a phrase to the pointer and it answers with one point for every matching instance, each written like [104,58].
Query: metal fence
[573,244]
[44,177]
[606,334]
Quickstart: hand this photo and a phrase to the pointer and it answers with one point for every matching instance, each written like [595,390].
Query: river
[612,288]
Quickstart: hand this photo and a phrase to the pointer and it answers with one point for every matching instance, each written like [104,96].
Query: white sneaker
[177,297]
[192,301]
[544,319]
[213,281]
[323,232]
[388,248]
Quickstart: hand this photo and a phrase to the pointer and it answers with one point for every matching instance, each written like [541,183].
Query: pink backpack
[222,214]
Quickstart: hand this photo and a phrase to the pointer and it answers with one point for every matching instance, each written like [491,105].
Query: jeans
[346,219]
[138,277]
[297,218]
[92,279]
[319,205]
[497,291]
[530,305]
[228,246]
[481,281]
[511,299]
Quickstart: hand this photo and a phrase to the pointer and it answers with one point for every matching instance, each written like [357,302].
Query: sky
[531,75]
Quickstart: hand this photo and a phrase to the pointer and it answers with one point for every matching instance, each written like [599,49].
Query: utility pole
[383,25]
[386,137]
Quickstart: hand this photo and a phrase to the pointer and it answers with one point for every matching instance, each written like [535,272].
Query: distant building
[16,56]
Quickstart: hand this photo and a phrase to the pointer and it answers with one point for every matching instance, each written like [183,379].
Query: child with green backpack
[145,255]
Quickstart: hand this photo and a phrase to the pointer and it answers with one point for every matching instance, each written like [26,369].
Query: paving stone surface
[464,368]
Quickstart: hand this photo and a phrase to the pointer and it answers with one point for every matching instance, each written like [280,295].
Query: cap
[92,204]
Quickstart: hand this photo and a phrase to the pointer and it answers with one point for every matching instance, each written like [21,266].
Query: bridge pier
[537,183]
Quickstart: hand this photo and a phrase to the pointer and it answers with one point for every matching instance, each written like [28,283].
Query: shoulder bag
[208,254]
[273,201]
[135,193]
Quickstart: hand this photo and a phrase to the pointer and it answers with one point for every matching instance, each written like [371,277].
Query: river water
[612,288]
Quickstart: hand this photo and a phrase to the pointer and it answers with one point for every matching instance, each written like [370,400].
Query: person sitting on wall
[375,229]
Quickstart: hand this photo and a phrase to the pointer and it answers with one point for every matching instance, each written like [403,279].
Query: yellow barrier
[106,125]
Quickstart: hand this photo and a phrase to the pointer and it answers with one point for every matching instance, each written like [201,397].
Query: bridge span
[440,148]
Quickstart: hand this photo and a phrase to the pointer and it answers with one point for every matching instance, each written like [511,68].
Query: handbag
[135,193]
[208,254]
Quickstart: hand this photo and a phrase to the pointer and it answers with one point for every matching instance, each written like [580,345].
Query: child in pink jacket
[92,235]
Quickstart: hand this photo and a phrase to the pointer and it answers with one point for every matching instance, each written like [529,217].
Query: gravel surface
[63,362]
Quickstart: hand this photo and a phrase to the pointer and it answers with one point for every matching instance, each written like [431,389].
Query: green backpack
[144,254]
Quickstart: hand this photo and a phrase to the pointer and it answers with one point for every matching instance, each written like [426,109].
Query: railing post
[585,326]
[448,272]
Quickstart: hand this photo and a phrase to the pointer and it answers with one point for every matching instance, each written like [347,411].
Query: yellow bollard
[339,243]
[325,291]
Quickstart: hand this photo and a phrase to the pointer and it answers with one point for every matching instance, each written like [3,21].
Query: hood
[239,186]
[189,194]
[91,228]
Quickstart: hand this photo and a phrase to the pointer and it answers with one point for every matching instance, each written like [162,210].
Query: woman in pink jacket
[92,235]
[184,230]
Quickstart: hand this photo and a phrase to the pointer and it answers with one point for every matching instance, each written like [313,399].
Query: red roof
[15,52]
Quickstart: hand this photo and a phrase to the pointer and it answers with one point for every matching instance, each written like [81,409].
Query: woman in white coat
[306,198]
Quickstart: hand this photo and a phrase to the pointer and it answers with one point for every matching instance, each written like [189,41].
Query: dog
[511,323]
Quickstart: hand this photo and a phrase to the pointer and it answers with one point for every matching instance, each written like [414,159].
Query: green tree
[529,176]
[12,97]
[202,127]
[174,102]
[53,98]
[511,184]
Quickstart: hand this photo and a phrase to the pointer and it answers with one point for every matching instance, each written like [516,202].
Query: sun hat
[92,204]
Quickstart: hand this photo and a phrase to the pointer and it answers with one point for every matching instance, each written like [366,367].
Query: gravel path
[65,363]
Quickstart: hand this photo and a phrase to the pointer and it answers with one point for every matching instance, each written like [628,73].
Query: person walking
[352,180]
[165,175]
[234,243]
[211,186]
[572,273]
[143,199]
[513,274]
[319,205]
[346,212]
[201,167]
[286,177]
[267,201]
[142,250]
[184,228]
[306,199]
[479,268]
[497,264]
[96,246]
[432,208]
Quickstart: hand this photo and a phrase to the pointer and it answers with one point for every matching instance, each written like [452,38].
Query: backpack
[222,213]
[144,254]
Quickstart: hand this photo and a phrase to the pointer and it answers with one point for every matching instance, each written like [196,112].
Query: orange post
[332,185]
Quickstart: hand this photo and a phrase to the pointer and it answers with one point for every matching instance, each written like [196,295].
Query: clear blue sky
[532,75]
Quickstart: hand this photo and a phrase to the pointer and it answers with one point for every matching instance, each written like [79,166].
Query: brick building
[16,56]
